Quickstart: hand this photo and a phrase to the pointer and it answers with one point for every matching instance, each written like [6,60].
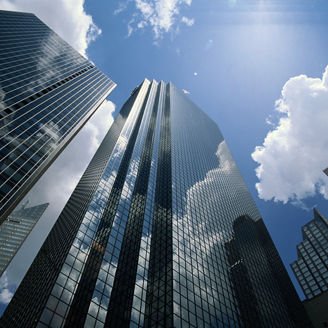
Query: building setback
[150,236]
[15,229]
[311,268]
[48,91]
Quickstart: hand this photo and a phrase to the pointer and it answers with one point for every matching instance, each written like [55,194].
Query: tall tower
[311,268]
[260,279]
[142,241]
[15,229]
[48,91]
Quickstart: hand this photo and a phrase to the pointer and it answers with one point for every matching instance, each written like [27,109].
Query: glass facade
[47,92]
[311,267]
[15,230]
[149,236]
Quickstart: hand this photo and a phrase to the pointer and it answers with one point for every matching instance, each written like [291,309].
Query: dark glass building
[264,291]
[311,267]
[48,91]
[15,229]
[152,235]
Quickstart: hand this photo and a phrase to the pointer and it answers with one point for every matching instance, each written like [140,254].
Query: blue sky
[236,58]
[243,53]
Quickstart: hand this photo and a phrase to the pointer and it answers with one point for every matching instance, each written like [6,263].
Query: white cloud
[160,15]
[5,293]
[67,18]
[294,154]
[188,21]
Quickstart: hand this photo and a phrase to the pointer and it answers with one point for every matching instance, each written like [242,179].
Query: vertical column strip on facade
[61,295]
[159,301]
[100,299]
[80,304]
[123,288]
[140,288]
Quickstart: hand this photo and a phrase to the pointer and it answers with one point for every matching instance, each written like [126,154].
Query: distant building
[311,268]
[325,171]
[317,310]
[155,232]
[15,230]
[48,91]
[264,291]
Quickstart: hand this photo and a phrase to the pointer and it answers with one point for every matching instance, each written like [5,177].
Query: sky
[256,67]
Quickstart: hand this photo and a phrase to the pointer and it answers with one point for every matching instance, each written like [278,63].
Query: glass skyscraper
[15,229]
[311,267]
[155,231]
[47,93]
[259,278]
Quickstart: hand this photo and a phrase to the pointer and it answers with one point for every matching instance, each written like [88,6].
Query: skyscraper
[142,241]
[15,229]
[48,91]
[263,288]
[311,267]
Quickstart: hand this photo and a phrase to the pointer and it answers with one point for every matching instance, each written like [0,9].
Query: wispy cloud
[67,18]
[209,45]
[269,121]
[294,154]
[122,5]
[188,21]
[159,15]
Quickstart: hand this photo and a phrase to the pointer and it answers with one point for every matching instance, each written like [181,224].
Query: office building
[142,241]
[15,229]
[259,277]
[316,309]
[48,91]
[311,268]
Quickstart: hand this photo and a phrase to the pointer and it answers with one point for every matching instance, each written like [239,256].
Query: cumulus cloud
[294,154]
[67,18]
[159,15]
